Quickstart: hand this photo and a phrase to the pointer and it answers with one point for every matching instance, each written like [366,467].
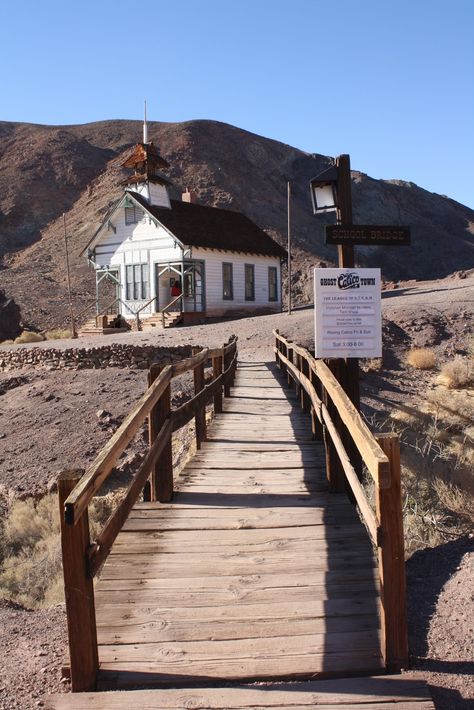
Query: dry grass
[371,364]
[28,336]
[437,438]
[30,548]
[57,334]
[458,373]
[421,359]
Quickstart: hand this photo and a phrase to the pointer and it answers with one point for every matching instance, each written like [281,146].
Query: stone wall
[114,355]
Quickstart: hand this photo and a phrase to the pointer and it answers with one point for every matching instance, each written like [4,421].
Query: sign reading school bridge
[370,235]
[348,313]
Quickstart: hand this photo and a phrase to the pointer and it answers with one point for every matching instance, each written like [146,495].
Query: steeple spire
[145,127]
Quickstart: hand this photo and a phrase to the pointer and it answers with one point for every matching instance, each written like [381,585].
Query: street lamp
[323,190]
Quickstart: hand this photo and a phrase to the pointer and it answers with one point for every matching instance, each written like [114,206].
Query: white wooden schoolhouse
[175,261]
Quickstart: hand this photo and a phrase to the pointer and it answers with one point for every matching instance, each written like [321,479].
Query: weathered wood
[315,414]
[379,693]
[216,373]
[373,456]
[190,363]
[115,523]
[352,478]
[162,474]
[200,416]
[392,560]
[79,592]
[101,467]
[334,467]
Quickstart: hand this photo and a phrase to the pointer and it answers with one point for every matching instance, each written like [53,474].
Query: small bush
[28,336]
[30,548]
[457,373]
[421,359]
[57,334]
[371,364]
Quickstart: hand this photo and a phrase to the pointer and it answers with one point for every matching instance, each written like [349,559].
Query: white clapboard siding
[214,260]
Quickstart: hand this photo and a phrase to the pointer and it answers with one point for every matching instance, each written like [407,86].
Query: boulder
[10,318]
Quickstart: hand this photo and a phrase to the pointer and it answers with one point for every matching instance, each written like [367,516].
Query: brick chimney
[189,196]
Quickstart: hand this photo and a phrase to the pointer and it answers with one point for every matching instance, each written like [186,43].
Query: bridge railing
[347,440]
[82,558]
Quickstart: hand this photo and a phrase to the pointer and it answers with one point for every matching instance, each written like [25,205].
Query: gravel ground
[50,420]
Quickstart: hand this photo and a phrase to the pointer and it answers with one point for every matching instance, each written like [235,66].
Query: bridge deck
[254,571]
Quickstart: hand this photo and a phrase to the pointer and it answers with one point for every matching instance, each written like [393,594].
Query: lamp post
[331,191]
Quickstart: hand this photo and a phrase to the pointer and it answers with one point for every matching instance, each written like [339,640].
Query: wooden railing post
[216,372]
[200,417]
[334,469]
[289,356]
[316,425]
[79,592]
[161,480]
[391,554]
[277,349]
[305,398]
[227,377]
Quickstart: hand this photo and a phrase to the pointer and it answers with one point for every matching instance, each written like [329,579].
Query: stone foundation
[114,355]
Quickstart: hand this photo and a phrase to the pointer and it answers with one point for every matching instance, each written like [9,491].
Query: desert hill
[48,170]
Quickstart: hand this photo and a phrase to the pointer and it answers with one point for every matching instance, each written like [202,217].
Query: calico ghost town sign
[348,313]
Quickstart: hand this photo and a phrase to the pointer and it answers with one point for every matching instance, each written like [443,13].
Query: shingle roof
[213,228]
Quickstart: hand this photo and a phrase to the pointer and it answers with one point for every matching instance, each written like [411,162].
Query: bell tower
[147,164]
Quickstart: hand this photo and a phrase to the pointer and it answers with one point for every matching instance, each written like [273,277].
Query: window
[137,283]
[227,282]
[133,215]
[249,282]
[272,283]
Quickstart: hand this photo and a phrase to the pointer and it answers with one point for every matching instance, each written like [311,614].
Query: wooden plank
[379,693]
[181,630]
[247,583]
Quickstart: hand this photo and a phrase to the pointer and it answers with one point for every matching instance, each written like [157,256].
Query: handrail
[103,464]
[171,303]
[81,558]
[153,298]
[374,458]
[381,455]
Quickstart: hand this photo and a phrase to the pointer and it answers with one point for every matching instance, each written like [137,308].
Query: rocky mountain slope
[48,170]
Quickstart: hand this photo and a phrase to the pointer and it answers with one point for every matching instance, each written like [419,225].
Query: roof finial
[145,127]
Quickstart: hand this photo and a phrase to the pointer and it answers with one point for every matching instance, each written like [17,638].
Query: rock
[10,318]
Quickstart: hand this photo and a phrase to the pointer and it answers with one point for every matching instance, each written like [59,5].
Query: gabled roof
[212,228]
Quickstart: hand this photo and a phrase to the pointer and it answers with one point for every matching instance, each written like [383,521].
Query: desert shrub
[421,359]
[28,336]
[57,334]
[457,373]
[371,364]
[30,548]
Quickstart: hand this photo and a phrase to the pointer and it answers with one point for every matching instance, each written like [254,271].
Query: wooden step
[375,693]
[156,320]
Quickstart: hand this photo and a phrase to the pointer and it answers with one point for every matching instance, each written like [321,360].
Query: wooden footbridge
[260,567]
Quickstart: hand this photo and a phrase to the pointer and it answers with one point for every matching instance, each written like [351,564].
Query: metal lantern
[323,190]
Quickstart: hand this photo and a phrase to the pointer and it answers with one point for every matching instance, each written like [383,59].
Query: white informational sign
[348,313]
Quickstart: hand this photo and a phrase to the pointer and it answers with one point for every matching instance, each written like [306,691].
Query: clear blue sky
[389,81]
